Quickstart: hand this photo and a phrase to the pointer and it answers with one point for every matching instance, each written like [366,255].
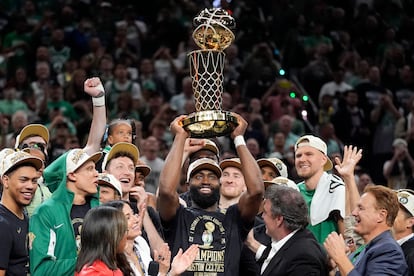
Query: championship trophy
[212,34]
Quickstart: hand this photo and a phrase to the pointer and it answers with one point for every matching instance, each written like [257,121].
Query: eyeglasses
[39,146]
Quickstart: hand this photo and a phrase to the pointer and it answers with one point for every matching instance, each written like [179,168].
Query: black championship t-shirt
[219,236]
[77,214]
[14,254]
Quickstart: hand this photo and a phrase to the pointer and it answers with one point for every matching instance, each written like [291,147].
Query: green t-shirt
[323,229]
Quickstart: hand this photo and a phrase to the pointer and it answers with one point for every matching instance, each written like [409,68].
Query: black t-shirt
[14,254]
[220,237]
[77,214]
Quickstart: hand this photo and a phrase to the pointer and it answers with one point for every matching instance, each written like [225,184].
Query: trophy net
[206,70]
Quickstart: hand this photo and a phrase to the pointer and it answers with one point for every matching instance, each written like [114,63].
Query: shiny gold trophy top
[212,34]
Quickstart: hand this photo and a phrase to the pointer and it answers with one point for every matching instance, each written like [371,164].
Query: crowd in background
[342,70]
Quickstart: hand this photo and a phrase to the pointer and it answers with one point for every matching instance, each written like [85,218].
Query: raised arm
[346,168]
[250,201]
[94,88]
[171,172]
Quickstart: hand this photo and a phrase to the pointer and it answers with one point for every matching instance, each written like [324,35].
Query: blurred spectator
[287,156]
[254,148]
[259,71]
[383,117]
[10,104]
[363,180]
[136,30]
[351,121]
[399,170]
[285,125]
[233,63]
[317,39]
[124,107]
[150,149]
[165,69]
[361,73]
[31,14]
[17,43]
[336,87]
[327,134]
[326,109]
[148,80]
[277,99]
[178,101]
[20,80]
[122,83]
[105,68]
[40,85]
[18,121]
[74,90]
[55,101]
[59,52]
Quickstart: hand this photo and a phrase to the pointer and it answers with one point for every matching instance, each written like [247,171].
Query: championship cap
[110,180]
[11,159]
[231,162]
[203,163]
[406,199]
[275,163]
[317,143]
[78,157]
[143,168]
[280,180]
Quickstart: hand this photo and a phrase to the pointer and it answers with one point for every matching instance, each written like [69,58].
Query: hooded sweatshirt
[52,243]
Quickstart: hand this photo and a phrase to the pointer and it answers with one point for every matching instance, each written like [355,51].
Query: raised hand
[346,167]
[93,87]
[176,126]
[163,257]
[242,126]
[182,260]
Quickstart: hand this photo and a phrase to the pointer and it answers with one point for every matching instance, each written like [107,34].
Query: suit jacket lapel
[274,262]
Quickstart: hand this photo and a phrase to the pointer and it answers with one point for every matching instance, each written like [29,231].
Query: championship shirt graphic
[209,233]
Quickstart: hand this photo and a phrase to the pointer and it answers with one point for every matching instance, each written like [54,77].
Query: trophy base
[210,123]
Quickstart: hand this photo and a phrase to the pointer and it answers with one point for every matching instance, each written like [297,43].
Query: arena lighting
[292,94]
[305,98]
[282,72]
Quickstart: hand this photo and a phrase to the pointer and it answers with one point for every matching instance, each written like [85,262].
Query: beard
[202,200]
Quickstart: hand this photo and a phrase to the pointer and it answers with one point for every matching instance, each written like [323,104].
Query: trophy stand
[206,69]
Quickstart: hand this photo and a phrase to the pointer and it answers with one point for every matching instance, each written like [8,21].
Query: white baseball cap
[11,158]
[275,163]
[406,199]
[203,163]
[78,157]
[110,180]
[280,180]
[317,143]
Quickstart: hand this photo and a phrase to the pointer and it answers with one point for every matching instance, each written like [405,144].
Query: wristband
[239,140]
[98,101]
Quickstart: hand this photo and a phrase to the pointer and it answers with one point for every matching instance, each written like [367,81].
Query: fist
[94,87]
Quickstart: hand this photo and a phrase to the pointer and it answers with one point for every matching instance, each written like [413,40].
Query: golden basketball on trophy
[213,33]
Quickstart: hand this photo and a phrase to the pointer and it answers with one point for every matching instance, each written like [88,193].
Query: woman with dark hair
[103,239]
[137,250]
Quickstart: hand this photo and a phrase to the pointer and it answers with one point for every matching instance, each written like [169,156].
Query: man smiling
[219,233]
[19,172]
[374,216]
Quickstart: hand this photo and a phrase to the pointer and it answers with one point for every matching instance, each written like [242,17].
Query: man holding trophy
[219,235]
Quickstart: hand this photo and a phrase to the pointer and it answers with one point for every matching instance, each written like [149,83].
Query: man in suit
[374,216]
[294,249]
